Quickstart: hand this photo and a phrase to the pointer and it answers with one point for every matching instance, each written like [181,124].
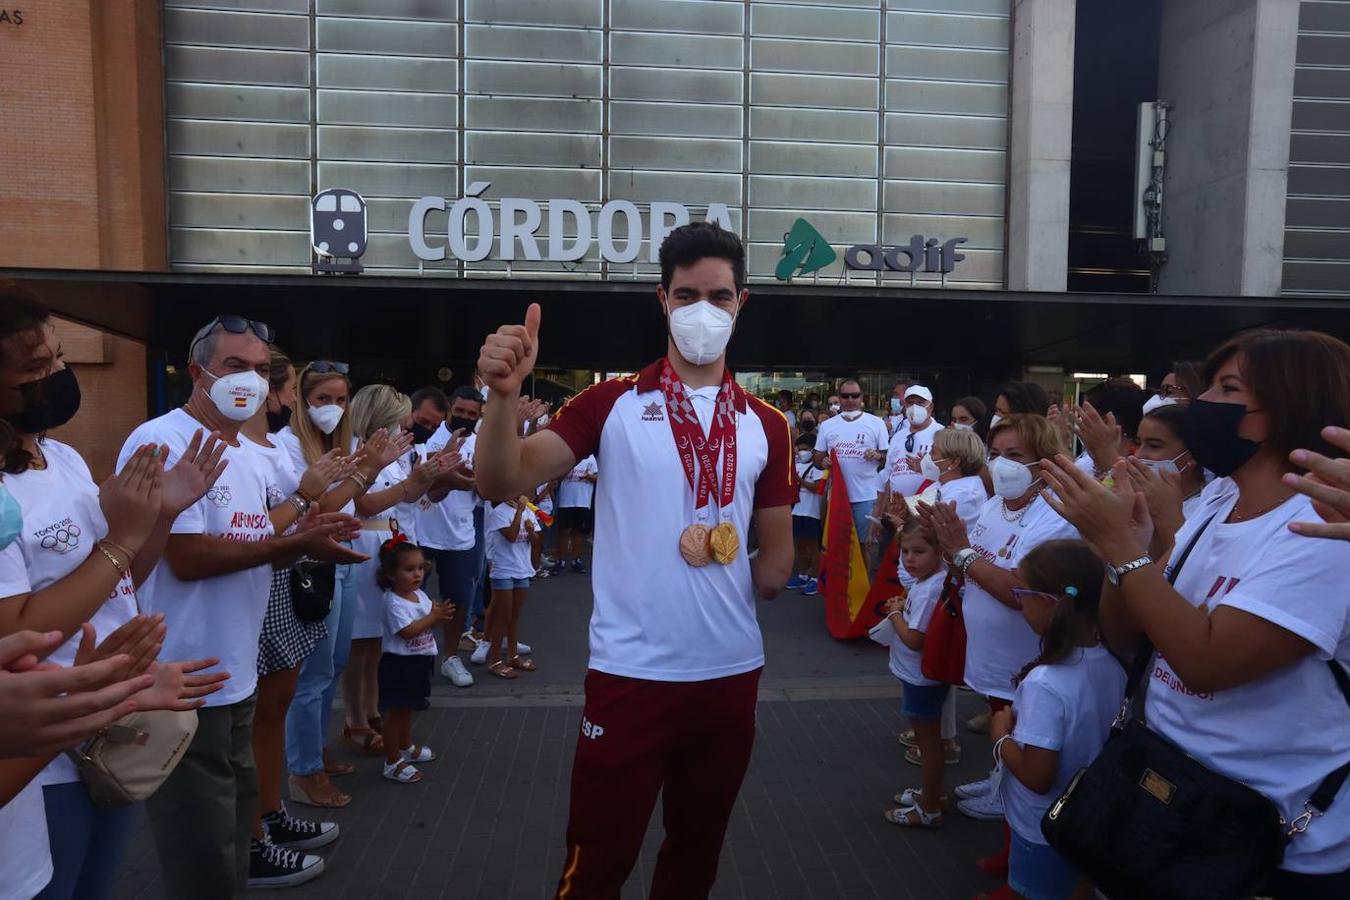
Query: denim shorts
[923,701]
[510,584]
[1038,872]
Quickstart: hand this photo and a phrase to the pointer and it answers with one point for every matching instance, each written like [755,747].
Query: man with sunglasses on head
[212,586]
[858,440]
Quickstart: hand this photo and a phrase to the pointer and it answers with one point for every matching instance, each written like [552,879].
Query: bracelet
[120,549]
[998,749]
[123,569]
[361,480]
[300,502]
[309,501]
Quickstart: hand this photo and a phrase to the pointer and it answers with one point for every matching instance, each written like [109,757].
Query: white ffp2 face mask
[929,468]
[326,418]
[701,331]
[1011,478]
[917,414]
[1163,465]
[963,426]
[237,396]
[994,420]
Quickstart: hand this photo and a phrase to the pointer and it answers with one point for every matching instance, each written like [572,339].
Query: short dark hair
[1026,397]
[975,406]
[687,244]
[391,553]
[1298,379]
[464,392]
[839,387]
[434,394]
[1122,398]
[806,440]
[1171,416]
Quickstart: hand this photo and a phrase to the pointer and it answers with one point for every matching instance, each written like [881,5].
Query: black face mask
[455,423]
[807,424]
[47,403]
[278,420]
[421,433]
[1210,433]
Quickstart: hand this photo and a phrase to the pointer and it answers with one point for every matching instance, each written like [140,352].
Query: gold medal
[694,545]
[724,543]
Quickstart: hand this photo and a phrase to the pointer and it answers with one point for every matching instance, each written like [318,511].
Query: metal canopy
[617,325]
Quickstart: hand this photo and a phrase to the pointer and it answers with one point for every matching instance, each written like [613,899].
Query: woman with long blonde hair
[322,423]
[389,506]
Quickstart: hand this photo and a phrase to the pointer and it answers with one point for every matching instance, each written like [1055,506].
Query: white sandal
[403,771]
[418,753]
[913,796]
[913,817]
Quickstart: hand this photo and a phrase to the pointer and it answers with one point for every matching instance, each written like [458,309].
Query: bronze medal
[694,545]
[725,543]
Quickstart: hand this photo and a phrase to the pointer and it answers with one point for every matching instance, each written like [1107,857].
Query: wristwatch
[1114,573]
[965,558]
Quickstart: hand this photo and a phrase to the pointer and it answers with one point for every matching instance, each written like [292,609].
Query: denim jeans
[477,607]
[307,719]
[87,843]
[861,510]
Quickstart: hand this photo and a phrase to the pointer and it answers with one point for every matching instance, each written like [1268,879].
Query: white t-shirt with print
[405,513]
[574,491]
[448,525]
[999,642]
[1282,733]
[279,471]
[685,624]
[1067,707]
[920,602]
[62,522]
[220,616]
[850,439]
[398,615]
[969,495]
[509,559]
[897,473]
[25,854]
[809,502]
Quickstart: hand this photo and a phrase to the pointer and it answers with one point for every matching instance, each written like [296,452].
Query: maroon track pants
[637,737]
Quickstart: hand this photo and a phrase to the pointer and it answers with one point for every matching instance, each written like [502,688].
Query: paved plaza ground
[488,819]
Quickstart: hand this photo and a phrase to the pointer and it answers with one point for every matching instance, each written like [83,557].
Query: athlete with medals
[691,461]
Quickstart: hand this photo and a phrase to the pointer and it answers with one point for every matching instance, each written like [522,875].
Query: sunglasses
[235,325]
[1021,594]
[328,366]
[849,396]
[909,443]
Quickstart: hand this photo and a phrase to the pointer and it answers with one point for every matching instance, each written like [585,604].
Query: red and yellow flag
[843,570]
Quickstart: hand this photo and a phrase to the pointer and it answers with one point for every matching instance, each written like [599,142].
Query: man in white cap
[903,473]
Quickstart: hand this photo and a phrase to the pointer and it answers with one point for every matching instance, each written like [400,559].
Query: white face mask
[834,407]
[238,395]
[962,426]
[1157,401]
[701,331]
[326,418]
[1163,465]
[929,468]
[896,406]
[1011,478]
[804,456]
[994,420]
[917,414]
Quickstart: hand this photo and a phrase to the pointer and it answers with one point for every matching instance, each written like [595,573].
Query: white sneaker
[974,789]
[453,668]
[522,648]
[480,652]
[988,807]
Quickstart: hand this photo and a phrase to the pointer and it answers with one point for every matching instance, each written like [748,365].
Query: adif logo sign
[619,228]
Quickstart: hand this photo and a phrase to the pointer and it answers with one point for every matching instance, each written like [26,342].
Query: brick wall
[83,188]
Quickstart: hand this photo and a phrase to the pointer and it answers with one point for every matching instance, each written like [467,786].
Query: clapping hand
[1100,436]
[132,499]
[137,641]
[177,687]
[1328,484]
[45,709]
[1162,494]
[332,467]
[443,612]
[319,535]
[1114,520]
[195,473]
[947,526]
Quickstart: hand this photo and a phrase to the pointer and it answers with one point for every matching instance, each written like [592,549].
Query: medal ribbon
[693,446]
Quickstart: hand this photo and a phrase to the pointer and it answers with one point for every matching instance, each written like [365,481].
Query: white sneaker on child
[974,789]
[453,668]
[989,807]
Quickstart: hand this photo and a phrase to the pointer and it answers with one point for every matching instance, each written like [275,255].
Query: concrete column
[1228,70]
[1040,141]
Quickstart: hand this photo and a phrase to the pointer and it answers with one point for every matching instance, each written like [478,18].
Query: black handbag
[312,586]
[1146,820]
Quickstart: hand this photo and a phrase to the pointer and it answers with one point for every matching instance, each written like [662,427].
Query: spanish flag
[843,570]
[544,518]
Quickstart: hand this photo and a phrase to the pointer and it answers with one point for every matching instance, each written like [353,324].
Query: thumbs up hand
[509,354]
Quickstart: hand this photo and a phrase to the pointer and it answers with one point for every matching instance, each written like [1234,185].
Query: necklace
[1016,516]
[1234,517]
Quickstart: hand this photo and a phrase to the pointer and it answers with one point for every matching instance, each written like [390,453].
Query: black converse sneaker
[287,831]
[270,866]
